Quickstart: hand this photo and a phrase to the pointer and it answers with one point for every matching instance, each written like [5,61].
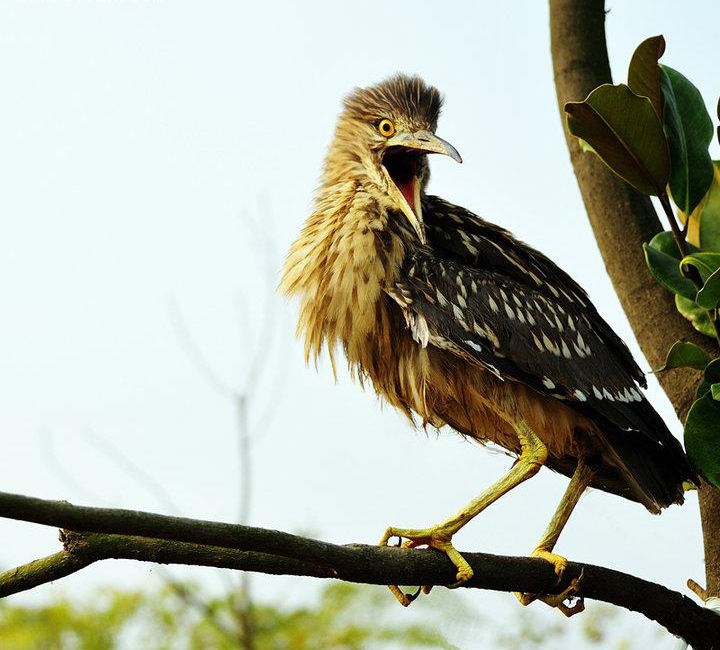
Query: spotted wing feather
[485,296]
[461,236]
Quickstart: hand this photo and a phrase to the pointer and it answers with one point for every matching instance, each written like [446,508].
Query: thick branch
[622,220]
[158,538]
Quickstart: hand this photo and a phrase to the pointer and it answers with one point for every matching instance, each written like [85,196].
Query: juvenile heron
[456,322]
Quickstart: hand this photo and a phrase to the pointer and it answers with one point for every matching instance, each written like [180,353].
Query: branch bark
[622,220]
[149,537]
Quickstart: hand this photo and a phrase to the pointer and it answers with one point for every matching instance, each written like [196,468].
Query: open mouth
[402,165]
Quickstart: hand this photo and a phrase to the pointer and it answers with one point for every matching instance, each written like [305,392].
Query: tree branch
[622,221]
[158,538]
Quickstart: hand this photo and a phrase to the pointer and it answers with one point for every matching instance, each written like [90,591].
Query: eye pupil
[386,128]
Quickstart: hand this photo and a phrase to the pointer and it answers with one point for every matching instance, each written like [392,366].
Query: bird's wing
[461,236]
[485,296]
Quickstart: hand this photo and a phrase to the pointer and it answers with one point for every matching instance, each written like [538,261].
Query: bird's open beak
[425,141]
[400,165]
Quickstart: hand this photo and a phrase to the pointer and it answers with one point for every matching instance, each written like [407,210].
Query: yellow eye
[386,128]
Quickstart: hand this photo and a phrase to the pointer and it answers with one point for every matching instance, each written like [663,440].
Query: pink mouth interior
[408,191]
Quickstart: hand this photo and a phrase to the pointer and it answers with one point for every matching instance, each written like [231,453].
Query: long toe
[559,565]
[435,537]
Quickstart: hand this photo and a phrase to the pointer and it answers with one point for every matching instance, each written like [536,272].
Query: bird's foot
[571,593]
[437,537]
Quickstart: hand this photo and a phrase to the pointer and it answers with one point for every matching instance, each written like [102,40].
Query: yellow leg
[581,479]
[533,456]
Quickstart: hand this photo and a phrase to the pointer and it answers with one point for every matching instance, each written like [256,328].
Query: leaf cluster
[654,132]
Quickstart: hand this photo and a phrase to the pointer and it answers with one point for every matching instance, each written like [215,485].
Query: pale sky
[139,142]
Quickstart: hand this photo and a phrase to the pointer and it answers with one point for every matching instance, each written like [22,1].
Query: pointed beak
[425,141]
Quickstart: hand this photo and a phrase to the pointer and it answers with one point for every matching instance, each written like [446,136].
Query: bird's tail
[652,471]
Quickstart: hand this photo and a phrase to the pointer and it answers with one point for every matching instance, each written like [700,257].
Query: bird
[456,323]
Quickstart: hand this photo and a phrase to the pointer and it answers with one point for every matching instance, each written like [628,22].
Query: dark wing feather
[496,301]
[461,236]
[518,333]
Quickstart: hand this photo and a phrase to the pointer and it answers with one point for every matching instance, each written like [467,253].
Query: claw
[435,538]
[571,593]
[556,600]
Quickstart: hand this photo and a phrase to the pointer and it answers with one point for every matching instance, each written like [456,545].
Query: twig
[699,591]
[679,236]
[187,541]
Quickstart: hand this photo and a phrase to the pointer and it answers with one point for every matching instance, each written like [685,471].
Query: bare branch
[160,538]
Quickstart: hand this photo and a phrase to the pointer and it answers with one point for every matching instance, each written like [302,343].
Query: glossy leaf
[705,263]
[709,218]
[665,269]
[709,296]
[709,208]
[704,227]
[665,243]
[715,392]
[625,133]
[711,376]
[689,130]
[684,354]
[702,438]
[644,71]
[696,315]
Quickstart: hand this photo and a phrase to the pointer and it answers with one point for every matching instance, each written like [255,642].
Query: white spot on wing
[538,345]
[566,350]
[474,346]
[580,395]
[535,277]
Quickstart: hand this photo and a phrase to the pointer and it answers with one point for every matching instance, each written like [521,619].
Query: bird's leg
[533,456]
[580,480]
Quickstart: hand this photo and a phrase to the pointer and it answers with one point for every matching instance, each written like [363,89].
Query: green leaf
[709,296]
[702,438]
[625,133]
[665,243]
[665,269]
[711,376]
[705,263]
[644,72]
[715,392]
[689,130]
[696,314]
[704,227]
[684,354]
[709,217]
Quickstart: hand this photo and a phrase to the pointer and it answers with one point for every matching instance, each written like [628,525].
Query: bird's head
[382,140]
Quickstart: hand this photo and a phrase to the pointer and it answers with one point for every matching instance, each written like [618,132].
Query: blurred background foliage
[346,617]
